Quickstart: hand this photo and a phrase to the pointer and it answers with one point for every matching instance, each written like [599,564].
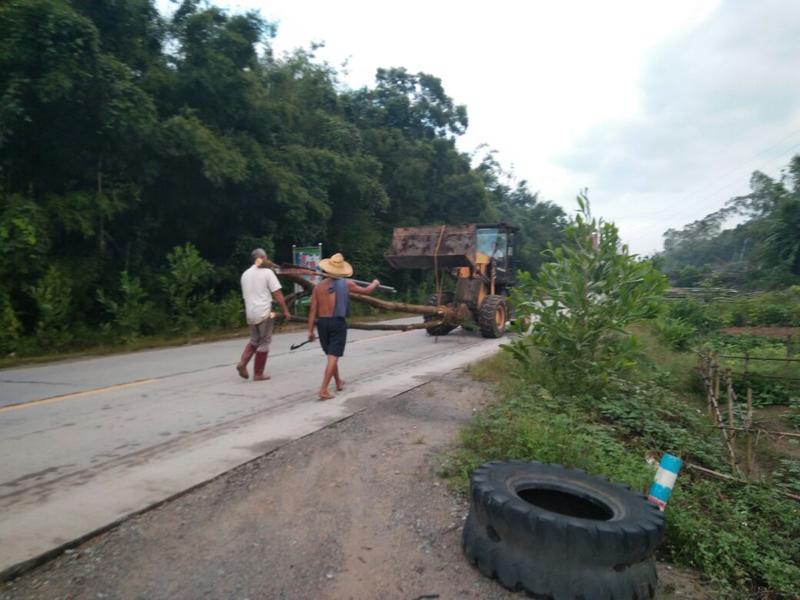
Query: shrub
[131,310]
[53,298]
[677,333]
[583,300]
[10,327]
[187,273]
[700,316]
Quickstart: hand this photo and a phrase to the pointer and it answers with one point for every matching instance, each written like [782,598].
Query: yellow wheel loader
[479,257]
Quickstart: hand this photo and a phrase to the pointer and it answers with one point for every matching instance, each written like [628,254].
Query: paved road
[86,443]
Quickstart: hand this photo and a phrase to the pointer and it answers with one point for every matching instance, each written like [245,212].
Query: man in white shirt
[259,285]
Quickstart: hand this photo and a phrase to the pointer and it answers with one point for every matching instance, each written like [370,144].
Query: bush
[131,310]
[10,327]
[583,300]
[770,308]
[677,333]
[228,313]
[187,273]
[699,315]
[53,298]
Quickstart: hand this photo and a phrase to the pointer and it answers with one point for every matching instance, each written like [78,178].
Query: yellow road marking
[122,386]
[51,400]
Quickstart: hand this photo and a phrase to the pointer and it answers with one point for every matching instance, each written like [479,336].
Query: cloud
[717,102]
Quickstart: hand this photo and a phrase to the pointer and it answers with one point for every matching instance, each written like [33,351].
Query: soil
[354,511]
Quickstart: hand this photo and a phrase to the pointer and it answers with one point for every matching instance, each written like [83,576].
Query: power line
[715,192]
[728,185]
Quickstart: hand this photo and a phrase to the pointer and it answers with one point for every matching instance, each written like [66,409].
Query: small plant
[53,298]
[130,311]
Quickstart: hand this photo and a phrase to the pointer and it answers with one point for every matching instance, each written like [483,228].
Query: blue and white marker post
[665,480]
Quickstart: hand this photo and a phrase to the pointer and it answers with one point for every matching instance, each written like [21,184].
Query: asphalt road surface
[86,443]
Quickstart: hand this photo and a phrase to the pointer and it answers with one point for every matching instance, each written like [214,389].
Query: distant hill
[762,252]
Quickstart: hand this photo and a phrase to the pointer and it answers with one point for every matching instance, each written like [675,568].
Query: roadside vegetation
[599,384]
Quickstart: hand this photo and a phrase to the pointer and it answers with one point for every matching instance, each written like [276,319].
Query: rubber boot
[249,350]
[258,367]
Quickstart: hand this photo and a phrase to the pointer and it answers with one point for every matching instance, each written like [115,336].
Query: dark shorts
[332,333]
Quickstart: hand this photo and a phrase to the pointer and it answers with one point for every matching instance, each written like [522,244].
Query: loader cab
[497,242]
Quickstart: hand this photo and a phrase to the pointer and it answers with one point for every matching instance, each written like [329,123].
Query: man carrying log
[259,285]
[329,304]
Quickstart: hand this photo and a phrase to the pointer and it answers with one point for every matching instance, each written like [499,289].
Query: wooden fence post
[729,390]
[749,426]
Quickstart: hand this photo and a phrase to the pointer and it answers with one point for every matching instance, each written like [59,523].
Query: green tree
[583,301]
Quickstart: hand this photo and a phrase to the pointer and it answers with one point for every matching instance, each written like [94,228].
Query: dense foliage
[143,157]
[762,251]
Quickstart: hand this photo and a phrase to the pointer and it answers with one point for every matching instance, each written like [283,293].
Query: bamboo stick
[718,419]
[709,384]
[718,475]
[729,389]
[716,392]
[749,425]
[767,431]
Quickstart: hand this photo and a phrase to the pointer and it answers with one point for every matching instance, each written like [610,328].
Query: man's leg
[258,366]
[249,350]
[265,338]
[326,378]
[339,381]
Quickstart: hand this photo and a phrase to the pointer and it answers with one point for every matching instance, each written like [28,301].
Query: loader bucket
[428,247]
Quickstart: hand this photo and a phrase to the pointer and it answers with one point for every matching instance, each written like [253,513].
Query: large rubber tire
[447,298]
[562,534]
[492,316]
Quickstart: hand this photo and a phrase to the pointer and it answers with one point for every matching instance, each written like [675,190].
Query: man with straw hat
[329,304]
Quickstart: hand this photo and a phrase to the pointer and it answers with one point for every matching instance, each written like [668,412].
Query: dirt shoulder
[354,511]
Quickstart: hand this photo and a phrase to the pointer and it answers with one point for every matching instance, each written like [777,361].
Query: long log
[417,309]
[378,326]
[297,276]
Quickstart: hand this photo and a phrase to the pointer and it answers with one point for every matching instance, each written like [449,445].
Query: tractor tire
[492,316]
[447,298]
[562,534]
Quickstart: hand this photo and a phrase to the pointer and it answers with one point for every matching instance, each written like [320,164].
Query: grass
[743,538]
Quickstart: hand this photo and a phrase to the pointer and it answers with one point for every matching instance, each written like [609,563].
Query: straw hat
[336,265]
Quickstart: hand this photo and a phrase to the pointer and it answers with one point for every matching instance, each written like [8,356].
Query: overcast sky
[662,110]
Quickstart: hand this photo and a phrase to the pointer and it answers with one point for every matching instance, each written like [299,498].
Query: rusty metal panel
[415,247]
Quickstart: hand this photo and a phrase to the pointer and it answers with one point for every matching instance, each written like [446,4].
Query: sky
[661,109]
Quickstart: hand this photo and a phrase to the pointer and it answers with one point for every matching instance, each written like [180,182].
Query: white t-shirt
[258,284]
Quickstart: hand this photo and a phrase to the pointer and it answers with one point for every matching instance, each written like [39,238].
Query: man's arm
[278,294]
[312,315]
[274,286]
[354,288]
